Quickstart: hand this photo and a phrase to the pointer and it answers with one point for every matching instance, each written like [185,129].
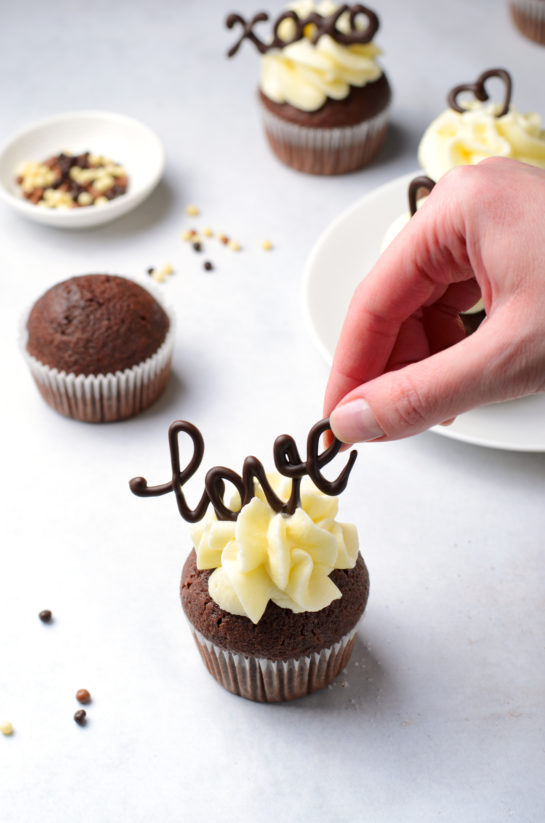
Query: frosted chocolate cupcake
[275,585]
[418,190]
[323,96]
[474,128]
[529,18]
[99,347]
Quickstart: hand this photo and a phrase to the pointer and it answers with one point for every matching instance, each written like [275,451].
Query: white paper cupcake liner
[104,398]
[322,150]
[529,18]
[274,681]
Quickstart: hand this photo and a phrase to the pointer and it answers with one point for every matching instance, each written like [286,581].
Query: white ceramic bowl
[125,140]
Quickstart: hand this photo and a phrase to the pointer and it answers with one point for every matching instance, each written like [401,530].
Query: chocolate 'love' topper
[286,459]
[416,184]
[479,90]
[321,25]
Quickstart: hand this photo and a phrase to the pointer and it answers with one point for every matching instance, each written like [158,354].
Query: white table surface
[440,714]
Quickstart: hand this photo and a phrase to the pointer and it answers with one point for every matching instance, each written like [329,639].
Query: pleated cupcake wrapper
[324,150]
[529,16]
[274,681]
[104,398]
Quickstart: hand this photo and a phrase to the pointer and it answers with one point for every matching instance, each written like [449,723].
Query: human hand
[403,363]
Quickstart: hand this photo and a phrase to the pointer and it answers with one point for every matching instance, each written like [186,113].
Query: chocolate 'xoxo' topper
[479,90]
[286,459]
[321,25]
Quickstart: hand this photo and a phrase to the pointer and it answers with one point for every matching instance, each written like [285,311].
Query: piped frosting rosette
[455,139]
[265,556]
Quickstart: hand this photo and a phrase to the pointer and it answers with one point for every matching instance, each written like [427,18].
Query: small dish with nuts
[61,172]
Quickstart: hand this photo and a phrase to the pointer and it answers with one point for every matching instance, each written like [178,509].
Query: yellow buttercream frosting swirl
[266,556]
[306,74]
[455,139]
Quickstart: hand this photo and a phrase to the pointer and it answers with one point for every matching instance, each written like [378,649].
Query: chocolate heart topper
[322,25]
[286,459]
[479,90]
[415,186]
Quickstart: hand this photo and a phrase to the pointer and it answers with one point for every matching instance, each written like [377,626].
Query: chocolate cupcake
[529,18]
[275,586]
[324,99]
[99,347]
[473,128]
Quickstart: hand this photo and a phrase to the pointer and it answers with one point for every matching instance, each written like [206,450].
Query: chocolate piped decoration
[417,183]
[322,25]
[479,90]
[286,459]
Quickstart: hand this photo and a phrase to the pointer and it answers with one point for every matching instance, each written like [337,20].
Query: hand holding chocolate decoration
[286,459]
[322,25]
[479,90]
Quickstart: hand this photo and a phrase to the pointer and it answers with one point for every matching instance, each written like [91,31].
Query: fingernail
[355,422]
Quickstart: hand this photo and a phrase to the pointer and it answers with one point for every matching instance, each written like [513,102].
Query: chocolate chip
[208,265]
[197,246]
[150,270]
[45,616]
[80,717]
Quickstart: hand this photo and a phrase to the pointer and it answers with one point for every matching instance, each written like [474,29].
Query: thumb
[483,368]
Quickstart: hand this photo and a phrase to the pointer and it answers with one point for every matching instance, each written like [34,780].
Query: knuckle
[411,408]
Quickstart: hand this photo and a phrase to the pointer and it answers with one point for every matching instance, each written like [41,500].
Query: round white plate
[123,139]
[342,257]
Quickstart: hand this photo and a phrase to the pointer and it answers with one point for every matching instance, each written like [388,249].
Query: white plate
[342,257]
[127,141]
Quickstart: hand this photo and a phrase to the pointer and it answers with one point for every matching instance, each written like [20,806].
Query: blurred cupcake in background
[324,98]
[474,128]
[529,18]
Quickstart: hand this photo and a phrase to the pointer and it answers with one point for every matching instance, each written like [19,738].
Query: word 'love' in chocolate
[478,89]
[321,25]
[286,459]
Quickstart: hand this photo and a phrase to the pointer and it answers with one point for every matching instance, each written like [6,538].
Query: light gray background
[439,716]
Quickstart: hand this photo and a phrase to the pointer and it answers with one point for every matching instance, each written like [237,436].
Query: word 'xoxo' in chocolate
[321,24]
[286,459]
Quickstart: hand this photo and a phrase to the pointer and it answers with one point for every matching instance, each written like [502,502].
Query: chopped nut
[167,269]
[234,246]
[83,696]
[100,201]
[85,199]
[266,245]
[6,728]
[158,276]
[223,239]
[192,211]
[188,234]
[207,232]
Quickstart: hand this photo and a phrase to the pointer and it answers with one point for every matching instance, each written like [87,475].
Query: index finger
[420,264]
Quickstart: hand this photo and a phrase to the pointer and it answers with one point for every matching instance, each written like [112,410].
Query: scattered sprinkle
[192,211]
[197,246]
[83,696]
[223,239]
[234,246]
[6,728]
[45,616]
[208,265]
[266,245]
[207,232]
[80,717]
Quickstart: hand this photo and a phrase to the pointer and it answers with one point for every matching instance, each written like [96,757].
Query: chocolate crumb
[83,696]
[80,717]
[45,616]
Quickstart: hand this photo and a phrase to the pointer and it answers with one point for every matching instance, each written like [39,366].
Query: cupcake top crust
[95,324]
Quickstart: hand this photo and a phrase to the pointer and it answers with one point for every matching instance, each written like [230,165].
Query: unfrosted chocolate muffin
[280,634]
[99,347]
